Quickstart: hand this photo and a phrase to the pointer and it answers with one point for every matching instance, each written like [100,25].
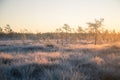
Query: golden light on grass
[7,56]
[98,60]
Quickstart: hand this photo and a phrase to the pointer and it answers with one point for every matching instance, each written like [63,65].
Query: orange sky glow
[47,15]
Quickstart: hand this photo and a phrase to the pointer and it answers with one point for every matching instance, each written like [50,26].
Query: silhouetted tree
[79,29]
[67,29]
[23,35]
[113,36]
[1,30]
[8,29]
[59,34]
[80,32]
[95,28]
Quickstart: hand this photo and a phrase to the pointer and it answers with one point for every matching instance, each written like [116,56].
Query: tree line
[95,33]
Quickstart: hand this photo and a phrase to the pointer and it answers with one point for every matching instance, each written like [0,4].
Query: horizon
[47,15]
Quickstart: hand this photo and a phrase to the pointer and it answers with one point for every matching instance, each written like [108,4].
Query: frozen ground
[50,61]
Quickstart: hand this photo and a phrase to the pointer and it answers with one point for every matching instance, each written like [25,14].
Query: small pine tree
[8,29]
[95,28]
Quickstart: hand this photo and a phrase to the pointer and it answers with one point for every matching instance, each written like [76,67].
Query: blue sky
[47,15]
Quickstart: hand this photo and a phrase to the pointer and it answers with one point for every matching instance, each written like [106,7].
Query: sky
[47,15]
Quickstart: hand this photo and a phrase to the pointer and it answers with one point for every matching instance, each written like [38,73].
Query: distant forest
[94,33]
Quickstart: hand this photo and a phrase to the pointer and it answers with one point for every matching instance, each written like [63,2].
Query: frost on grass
[100,62]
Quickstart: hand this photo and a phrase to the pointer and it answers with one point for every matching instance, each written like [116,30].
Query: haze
[47,15]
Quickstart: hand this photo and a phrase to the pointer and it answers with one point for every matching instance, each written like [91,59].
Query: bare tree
[95,28]
[113,36]
[59,35]
[23,35]
[8,29]
[105,36]
[80,32]
[67,29]
[1,30]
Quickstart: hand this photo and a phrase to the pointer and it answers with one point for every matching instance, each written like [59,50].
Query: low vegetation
[71,62]
[66,54]
[95,33]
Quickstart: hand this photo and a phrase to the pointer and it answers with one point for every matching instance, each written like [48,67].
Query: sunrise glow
[47,15]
